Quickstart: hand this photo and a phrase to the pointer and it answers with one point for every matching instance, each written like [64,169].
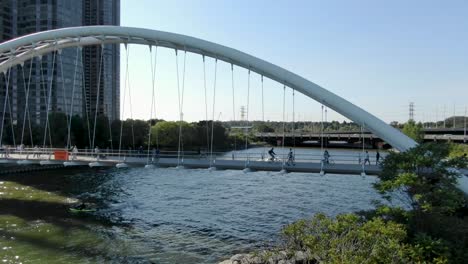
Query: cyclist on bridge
[272,154]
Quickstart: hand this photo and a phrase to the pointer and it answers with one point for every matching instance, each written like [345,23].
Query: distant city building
[55,72]
[102,12]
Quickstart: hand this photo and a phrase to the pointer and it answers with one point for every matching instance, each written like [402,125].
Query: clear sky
[380,55]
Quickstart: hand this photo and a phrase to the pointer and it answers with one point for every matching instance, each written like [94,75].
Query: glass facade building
[71,72]
[109,75]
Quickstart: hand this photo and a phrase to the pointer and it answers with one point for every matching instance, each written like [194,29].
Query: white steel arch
[18,50]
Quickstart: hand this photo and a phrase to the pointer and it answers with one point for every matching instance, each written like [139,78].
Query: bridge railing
[356,158]
[137,155]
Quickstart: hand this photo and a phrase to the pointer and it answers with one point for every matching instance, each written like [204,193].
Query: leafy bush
[348,239]
[353,239]
[427,175]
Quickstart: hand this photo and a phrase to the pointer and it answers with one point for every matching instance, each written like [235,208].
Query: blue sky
[380,55]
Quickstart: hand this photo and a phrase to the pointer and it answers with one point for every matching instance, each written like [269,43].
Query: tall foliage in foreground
[434,231]
[427,175]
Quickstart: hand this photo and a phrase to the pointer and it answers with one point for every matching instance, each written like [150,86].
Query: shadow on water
[76,180]
[55,213]
[35,219]
[49,194]
[40,242]
[91,252]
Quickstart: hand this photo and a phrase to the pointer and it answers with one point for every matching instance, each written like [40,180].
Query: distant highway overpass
[354,138]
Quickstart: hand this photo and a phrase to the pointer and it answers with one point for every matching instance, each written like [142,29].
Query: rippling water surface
[166,215]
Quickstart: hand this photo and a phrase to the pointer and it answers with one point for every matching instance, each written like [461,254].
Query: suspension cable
[247,114]
[87,107]
[110,126]
[293,121]
[326,122]
[72,98]
[263,120]
[263,107]
[7,81]
[155,106]
[29,111]
[48,103]
[181,139]
[206,106]
[153,79]
[233,105]
[284,122]
[26,108]
[178,100]
[96,110]
[213,116]
[11,119]
[63,86]
[321,134]
[127,51]
[132,122]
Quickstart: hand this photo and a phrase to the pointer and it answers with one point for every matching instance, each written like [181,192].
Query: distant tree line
[133,133]
[298,127]
[128,134]
[450,122]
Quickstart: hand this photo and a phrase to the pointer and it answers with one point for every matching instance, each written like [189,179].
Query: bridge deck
[203,163]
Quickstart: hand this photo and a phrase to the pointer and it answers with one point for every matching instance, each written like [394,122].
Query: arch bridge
[20,50]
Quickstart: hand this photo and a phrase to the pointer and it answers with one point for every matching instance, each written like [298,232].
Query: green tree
[220,139]
[263,128]
[58,129]
[414,131]
[166,133]
[427,175]
[101,132]
[140,130]
[34,133]
[79,132]
[8,132]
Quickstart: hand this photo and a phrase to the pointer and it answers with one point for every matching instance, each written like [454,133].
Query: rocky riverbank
[271,257]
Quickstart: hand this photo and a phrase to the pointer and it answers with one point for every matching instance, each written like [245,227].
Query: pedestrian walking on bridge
[366,158]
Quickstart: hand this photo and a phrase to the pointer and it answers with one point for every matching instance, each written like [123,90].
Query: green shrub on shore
[348,239]
[352,239]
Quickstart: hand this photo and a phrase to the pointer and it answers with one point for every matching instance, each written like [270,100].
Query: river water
[162,215]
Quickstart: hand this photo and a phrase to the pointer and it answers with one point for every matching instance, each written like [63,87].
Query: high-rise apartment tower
[54,74]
